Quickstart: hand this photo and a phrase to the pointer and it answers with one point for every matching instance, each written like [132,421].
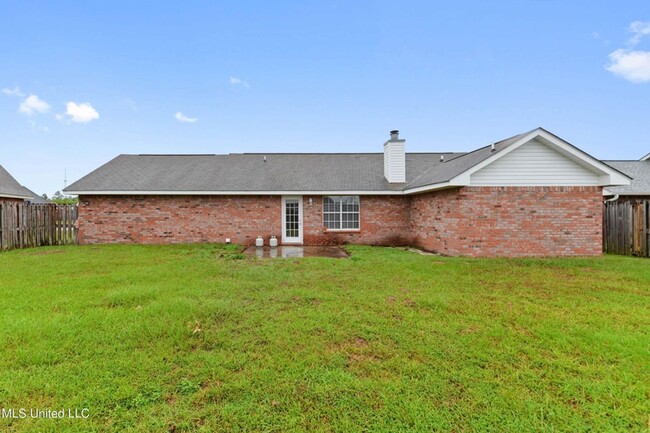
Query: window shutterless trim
[340,213]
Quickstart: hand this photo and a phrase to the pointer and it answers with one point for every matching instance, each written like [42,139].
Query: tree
[59,198]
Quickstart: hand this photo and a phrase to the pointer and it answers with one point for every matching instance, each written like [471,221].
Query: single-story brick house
[533,194]
[11,190]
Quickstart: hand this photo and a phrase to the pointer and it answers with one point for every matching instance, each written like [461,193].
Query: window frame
[341,213]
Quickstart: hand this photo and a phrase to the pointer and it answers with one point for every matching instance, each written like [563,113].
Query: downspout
[612,199]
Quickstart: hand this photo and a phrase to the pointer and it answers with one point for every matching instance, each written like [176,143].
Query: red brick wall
[178,219]
[12,200]
[472,221]
[509,221]
[384,220]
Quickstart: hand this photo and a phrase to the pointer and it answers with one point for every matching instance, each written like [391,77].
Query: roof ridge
[289,153]
[171,154]
[343,153]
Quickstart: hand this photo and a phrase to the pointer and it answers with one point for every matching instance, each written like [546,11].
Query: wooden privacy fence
[626,227]
[25,225]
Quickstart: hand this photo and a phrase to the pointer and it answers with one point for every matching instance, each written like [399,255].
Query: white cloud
[238,82]
[639,29]
[13,92]
[80,113]
[183,118]
[634,66]
[32,104]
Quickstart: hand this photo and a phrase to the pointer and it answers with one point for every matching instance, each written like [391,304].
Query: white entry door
[292,220]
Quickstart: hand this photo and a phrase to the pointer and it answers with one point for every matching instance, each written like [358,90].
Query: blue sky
[84,81]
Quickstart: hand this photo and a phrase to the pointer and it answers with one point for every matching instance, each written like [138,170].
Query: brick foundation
[471,221]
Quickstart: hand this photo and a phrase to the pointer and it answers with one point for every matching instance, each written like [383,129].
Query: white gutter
[23,197]
[398,192]
[434,187]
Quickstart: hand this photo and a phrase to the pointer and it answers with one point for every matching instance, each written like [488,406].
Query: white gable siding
[534,164]
[394,161]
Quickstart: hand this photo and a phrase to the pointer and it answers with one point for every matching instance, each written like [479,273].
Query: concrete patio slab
[287,252]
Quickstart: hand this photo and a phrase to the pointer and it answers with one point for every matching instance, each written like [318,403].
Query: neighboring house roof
[645,158]
[36,199]
[639,171]
[9,187]
[275,173]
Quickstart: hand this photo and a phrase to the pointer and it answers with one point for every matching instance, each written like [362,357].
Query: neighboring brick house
[11,190]
[533,194]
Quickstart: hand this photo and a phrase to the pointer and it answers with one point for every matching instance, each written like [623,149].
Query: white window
[341,212]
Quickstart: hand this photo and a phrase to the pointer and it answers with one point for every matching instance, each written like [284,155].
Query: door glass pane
[292,215]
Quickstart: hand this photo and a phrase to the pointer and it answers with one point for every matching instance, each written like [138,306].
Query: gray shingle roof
[10,186]
[279,172]
[36,199]
[249,172]
[639,171]
[450,169]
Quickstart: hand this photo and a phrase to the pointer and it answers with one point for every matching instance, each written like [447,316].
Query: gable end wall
[534,163]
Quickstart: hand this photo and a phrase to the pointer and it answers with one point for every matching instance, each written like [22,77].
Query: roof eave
[276,192]
[625,193]
[433,187]
[23,197]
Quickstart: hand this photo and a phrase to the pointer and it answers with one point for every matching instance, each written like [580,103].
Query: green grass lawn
[195,338]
